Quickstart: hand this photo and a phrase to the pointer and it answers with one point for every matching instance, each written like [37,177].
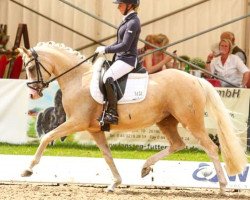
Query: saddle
[131,88]
[119,83]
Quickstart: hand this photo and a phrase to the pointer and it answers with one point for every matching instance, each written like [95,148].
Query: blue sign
[205,172]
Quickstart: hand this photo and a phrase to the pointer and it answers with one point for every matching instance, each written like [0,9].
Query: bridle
[40,83]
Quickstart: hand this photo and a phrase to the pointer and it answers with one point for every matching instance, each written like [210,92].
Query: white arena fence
[94,171]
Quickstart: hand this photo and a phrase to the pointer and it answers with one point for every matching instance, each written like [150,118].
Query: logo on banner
[206,172]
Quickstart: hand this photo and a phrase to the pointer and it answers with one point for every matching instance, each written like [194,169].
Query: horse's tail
[231,149]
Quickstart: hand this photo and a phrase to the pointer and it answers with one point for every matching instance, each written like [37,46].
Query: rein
[92,56]
[40,80]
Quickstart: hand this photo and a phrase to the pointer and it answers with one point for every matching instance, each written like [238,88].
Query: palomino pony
[173,97]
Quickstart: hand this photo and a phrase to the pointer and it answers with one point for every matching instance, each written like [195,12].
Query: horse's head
[48,58]
[38,71]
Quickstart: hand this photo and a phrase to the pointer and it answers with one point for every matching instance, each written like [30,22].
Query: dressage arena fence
[94,171]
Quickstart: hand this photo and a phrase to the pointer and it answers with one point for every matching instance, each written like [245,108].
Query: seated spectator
[235,50]
[228,66]
[158,60]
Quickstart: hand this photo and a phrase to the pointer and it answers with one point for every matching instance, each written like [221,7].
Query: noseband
[40,83]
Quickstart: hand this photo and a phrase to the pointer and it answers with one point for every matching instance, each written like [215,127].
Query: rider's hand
[100,50]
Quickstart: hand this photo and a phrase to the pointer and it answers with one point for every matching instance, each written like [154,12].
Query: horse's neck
[65,68]
[74,78]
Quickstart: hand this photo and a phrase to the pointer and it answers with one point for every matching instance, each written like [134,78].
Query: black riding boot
[111,116]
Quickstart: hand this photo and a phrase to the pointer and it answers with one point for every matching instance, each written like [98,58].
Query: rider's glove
[100,50]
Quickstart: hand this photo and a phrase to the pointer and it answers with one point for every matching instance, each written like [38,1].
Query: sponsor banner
[13,111]
[77,170]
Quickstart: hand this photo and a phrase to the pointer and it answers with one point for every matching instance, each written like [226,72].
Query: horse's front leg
[101,142]
[62,130]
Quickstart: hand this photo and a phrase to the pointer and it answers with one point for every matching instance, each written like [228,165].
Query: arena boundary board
[94,171]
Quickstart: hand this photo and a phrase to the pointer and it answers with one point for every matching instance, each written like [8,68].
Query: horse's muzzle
[33,94]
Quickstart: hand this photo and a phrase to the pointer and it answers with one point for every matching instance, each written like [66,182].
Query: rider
[125,49]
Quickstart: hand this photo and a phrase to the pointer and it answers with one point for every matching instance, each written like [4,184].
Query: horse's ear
[23,50]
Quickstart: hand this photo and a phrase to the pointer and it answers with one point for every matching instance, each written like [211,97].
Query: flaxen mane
[61,46]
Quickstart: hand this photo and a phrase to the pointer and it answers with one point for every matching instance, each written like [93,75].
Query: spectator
[158,60]
[228,66]
[235,50]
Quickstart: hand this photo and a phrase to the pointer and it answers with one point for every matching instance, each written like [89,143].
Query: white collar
[132,11]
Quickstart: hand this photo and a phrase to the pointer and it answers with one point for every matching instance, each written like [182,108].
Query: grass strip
[76,150]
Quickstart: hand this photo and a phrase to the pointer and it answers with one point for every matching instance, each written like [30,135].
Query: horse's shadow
[51,117]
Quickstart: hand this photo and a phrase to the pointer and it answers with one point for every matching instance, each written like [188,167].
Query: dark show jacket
[127,38]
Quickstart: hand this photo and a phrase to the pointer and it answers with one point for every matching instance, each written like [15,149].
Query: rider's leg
[111,116]
[116,71]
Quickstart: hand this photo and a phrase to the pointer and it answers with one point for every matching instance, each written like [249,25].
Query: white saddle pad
[135,91]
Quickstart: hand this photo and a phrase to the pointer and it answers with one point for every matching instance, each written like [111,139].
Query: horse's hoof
[145,171]
[223,189]
[222,192]
[27,173]
[109,189]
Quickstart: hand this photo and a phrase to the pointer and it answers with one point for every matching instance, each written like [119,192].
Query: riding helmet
[134,2]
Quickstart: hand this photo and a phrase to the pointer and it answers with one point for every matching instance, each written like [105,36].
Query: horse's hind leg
[101,142]
[168,127]
[197,128]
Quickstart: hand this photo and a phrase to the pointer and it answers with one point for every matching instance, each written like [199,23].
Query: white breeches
[117,70]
